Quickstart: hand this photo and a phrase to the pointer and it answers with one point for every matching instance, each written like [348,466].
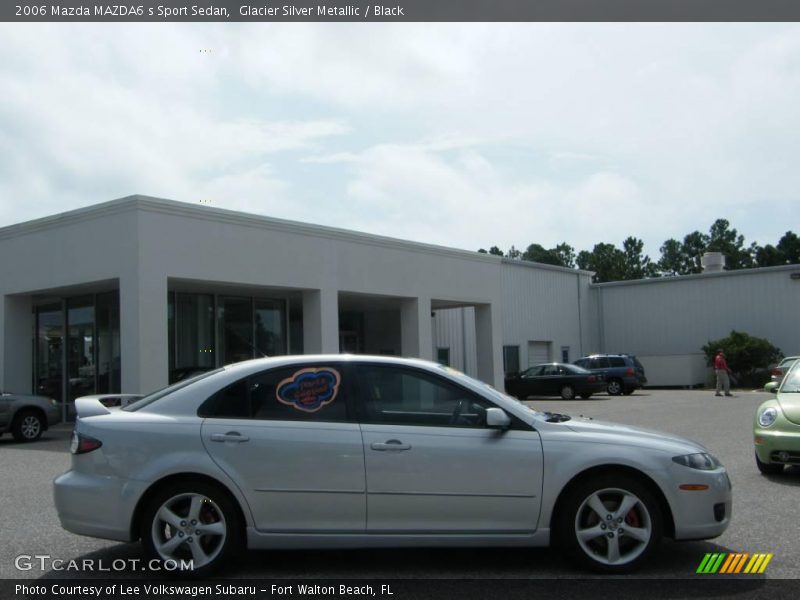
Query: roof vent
[713,262]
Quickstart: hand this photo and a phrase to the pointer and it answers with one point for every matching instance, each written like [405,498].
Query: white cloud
[462,134]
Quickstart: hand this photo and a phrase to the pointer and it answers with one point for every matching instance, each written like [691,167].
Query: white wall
[669,320]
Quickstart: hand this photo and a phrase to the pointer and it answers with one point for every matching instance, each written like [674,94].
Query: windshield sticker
[309,389]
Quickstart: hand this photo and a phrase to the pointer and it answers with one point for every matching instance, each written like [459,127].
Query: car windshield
[791,385]
[492,391]
[150,398]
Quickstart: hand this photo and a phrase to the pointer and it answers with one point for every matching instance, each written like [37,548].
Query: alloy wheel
[613,526]
[189,526]
[30,427]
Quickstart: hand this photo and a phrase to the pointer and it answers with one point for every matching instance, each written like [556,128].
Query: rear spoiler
[100,404]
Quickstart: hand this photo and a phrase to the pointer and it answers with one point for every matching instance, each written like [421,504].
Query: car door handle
[390,445]
[231,436]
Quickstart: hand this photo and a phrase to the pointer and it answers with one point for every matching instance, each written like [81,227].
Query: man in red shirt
[722,370]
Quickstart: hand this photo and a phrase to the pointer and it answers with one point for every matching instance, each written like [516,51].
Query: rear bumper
[96,506]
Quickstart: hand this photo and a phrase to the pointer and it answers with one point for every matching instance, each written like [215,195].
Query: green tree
[606,260]
[789,247]
[494,250]
[637,264]
[693,247]
[671,262]
[747,356]
[565,254]
[723,239]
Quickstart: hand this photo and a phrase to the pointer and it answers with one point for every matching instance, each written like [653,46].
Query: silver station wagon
[346,451]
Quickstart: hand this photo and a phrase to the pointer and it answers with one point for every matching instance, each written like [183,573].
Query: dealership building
[129,295]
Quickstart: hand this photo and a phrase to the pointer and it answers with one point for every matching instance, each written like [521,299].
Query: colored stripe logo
[734,563]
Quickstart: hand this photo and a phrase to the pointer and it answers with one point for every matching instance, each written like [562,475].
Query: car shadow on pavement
[790,477]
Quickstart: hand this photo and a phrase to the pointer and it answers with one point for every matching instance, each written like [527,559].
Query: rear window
[157,395]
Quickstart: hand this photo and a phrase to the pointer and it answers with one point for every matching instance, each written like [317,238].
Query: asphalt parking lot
[764,514]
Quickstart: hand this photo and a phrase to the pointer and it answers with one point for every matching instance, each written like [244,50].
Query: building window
[565,354]
[511,359]
[443,356]
[77,348]
[207,331]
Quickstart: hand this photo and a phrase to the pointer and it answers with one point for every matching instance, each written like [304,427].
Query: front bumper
[772,443]
[701,514]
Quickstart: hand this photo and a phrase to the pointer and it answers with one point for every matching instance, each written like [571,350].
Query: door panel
[452,479]
[284,436]
[295,476]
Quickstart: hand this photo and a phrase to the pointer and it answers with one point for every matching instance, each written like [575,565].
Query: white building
[128,295]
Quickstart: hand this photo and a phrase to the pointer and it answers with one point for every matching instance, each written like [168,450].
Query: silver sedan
[353,451]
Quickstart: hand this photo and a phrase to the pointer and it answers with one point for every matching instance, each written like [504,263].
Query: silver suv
[26,417]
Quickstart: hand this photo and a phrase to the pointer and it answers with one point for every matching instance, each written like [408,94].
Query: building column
[416,335]
[16,347]
[321,321]
[143,333]
[489,345]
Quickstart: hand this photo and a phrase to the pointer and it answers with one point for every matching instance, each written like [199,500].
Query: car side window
[403,396]
[297,393]
[601,362]
[616,361]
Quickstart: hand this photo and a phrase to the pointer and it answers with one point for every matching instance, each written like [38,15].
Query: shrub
[748,357]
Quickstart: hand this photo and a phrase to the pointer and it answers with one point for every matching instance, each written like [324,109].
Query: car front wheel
[609,524]
[191,527]
[28,426]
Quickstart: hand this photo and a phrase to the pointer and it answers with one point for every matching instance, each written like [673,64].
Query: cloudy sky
[464,135]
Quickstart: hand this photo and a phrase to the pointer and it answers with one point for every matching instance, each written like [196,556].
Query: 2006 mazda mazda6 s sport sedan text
[352,451]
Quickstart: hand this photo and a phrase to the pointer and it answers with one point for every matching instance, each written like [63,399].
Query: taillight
[81,444]
[629,371]
[776,372]
[592,378]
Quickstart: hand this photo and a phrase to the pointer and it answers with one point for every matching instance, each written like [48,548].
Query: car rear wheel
[614,387]
[609,524]
[191,527]
[28,426]
[769,468]
[567,392]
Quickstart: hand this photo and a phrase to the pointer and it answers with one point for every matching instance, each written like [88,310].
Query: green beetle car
[776,430]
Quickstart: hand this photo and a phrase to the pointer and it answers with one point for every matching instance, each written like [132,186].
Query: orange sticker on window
[309,389]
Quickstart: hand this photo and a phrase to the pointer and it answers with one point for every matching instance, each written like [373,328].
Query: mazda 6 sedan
[352,451]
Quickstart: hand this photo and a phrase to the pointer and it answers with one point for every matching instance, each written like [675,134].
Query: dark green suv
[622,372]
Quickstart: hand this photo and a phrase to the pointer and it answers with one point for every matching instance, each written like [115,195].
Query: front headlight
[767,416]
[701,461]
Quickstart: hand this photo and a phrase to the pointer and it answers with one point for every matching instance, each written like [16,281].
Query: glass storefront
[207,330]
[77,350]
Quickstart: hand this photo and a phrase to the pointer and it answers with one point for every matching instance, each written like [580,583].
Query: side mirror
[497,418]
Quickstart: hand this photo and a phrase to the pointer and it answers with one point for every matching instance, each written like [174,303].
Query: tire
[586,396]
[568,392]
[609,541]
[178,512]
[769,468]
[614,387]
[28,426]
